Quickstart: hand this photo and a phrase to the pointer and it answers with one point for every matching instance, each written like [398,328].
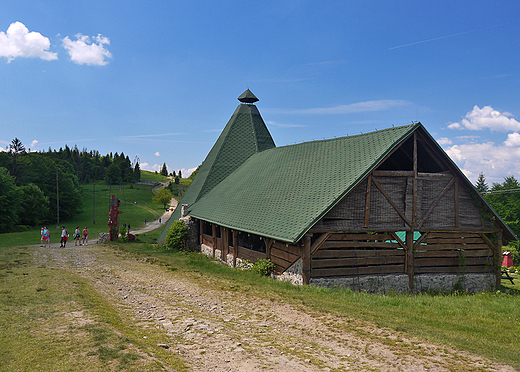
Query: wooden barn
[386,210]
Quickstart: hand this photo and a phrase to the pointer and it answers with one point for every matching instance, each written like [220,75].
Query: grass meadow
[136,205]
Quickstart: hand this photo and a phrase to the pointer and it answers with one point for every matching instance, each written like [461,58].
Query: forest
[32,182]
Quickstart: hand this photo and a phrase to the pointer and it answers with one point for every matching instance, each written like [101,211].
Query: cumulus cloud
[33,143]
[487,118]
[444,141]
[495,161]
[19,42]
[157,154]
[513,139]
[88,51]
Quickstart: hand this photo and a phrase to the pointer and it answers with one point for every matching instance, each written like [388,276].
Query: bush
[263,266]
[176,236]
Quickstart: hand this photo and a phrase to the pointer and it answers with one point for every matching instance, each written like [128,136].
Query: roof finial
[248,97]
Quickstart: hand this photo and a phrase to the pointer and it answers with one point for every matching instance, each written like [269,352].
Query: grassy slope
[136,205]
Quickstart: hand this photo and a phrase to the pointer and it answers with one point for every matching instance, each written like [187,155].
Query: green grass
[152,176]
[486,324]
[136,205]
[53,320]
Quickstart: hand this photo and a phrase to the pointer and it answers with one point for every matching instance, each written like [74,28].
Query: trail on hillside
[215,327]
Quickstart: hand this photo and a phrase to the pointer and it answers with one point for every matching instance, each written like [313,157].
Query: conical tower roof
[244,135]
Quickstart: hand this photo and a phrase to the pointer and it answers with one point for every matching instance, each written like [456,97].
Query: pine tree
[481,184]
[164,170]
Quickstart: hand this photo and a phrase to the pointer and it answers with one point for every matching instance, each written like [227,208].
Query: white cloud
[157,154]
[487,118]
[496,162]
[513,139]
[19,42]
[444,141]
[85,51]
[366,106]
[33,143]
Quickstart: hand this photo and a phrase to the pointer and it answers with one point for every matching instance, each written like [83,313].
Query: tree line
[504,198]
[31,182]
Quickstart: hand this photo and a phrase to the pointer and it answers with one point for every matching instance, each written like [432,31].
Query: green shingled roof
[282,192]
[244,135]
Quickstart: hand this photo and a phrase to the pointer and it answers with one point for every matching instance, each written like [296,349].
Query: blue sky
[159,80]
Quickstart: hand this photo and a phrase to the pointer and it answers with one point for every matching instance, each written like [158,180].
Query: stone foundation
[371,284]
[293,274]
[471,283]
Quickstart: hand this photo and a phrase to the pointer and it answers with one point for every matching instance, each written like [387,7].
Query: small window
[251,241]
[208,229]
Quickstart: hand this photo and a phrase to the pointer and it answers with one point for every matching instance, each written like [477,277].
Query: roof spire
[248,97]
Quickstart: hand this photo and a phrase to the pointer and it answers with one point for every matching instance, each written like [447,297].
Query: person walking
[46,237]
[85,236]
[64,237]
[41,239]
[77,236]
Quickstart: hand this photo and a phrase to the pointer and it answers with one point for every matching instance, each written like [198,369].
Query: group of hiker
[80,237]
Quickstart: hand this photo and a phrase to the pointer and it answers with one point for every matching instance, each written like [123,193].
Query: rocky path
[214,327]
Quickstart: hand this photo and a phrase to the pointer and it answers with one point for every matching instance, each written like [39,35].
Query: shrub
[176,236]
[122,232]
[263,266]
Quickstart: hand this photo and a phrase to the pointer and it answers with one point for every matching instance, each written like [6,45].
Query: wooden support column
[409,260]
[214,234]
[367,201]
[457,222]
[235,247]
[268,245]
[225,244]
[498,261]
[201,232]
[306,258]
[415,173]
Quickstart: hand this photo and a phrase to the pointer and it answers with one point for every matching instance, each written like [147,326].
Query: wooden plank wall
[249,254]
[284,255]
[452,253]
[357,254]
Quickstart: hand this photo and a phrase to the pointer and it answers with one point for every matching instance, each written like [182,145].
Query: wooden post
[306,258]
[225,245]
[415,173]
[498,261]
[457,223]
[409,260]
[367,201]
[235,247]
[201,233]
[214,235]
